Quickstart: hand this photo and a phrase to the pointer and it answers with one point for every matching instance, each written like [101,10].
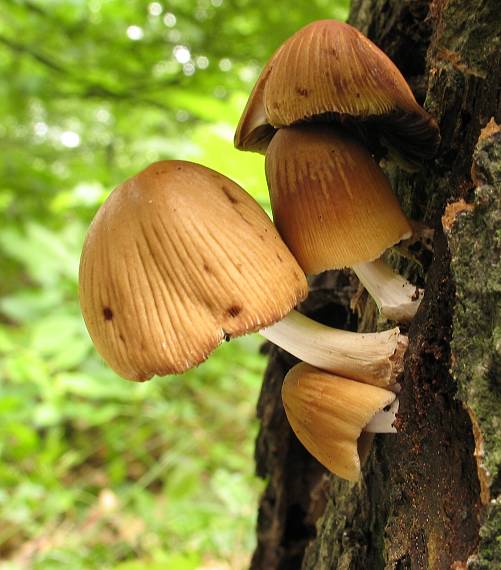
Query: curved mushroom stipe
[373,358]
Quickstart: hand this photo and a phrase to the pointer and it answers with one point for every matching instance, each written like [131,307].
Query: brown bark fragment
[452,211]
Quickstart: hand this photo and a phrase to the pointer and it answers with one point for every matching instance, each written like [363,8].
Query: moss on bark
[475,244]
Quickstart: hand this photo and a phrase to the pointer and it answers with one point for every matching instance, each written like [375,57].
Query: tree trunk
[427,497]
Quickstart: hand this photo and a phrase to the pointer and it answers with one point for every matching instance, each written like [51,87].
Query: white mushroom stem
[373,358]
[396,298]
[382,422]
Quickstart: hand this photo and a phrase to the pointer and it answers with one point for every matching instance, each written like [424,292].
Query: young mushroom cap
[328,71]
[332,204]
[178,258]
[328,413]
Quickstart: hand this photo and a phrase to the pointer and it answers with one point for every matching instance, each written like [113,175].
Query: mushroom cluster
[326,104]
[180,258]
[326,107]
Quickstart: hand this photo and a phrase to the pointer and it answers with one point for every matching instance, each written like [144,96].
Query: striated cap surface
[328,414]
[332,203]
[178,258]
[329,71]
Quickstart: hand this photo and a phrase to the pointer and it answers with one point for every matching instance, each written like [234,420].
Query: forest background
[96,472]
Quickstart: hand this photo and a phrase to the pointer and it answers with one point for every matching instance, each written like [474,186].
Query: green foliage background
[96,472]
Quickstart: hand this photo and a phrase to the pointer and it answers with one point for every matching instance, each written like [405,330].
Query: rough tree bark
[429,496]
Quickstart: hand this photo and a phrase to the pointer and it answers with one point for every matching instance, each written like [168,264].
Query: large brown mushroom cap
[178,258]
[328,71]
[328,414]
[332,204]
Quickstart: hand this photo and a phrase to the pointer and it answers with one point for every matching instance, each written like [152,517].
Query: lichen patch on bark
[475,244]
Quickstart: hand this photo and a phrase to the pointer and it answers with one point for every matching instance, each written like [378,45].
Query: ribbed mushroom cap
[332,204]
[328,414]
[178,258]
[328,70]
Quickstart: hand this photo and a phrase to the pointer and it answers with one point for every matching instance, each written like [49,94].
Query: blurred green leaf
[173,562]
[96,472]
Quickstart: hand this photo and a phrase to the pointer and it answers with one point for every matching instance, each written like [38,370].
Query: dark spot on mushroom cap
[279,258]
[302,91]
[229,195]
[207,268]
[234,311]
[107,313]
[121,337]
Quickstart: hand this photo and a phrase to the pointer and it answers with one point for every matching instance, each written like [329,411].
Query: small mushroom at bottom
[328,414]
